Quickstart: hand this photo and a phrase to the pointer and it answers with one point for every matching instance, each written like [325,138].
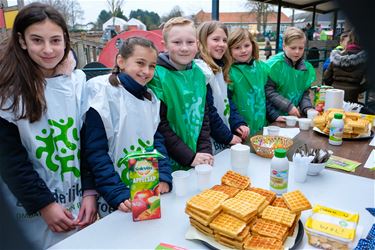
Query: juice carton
[320,96]
[144,184]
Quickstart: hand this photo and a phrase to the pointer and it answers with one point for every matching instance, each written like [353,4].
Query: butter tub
[329,228]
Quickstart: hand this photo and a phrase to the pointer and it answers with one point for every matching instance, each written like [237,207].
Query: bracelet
[90,192]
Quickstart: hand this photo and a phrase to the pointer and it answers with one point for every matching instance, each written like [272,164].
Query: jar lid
[280,152]
[338,116]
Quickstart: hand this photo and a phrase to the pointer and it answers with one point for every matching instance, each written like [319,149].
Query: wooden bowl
[264,145]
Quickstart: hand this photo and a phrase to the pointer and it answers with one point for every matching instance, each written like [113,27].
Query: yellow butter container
[330,228]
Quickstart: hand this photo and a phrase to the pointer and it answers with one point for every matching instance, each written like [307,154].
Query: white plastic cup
[312,113]
[304,123]
[181,182]
[300,171]
[273,130]
[203,172]
[291,120]
[240,158]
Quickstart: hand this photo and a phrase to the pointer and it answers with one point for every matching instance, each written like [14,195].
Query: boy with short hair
[181,86]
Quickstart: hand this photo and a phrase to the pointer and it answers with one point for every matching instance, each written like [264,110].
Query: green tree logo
[125,172]
[60,151]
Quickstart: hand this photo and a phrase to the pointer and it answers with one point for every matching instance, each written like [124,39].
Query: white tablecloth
[118,231]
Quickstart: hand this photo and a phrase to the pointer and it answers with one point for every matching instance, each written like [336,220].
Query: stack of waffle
[245,217]
[354,125]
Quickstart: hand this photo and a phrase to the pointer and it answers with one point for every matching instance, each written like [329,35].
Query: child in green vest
[248,77]
[290,78]
[181,86]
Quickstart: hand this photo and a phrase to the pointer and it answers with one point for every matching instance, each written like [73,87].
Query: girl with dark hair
[226,124]
[40,120]
[123,117]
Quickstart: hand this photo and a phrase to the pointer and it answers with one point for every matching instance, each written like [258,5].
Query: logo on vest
[60,152]
[227,108]
[122,162]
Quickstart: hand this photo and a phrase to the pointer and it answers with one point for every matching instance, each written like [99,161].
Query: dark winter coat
[347,71]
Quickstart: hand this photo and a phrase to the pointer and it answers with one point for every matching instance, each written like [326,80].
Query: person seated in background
[344,37]
[347,70]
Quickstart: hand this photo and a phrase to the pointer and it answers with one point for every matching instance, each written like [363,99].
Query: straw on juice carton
[144,184]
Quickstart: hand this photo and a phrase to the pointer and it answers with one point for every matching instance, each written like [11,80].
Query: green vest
[184,93]
[248,93]
[290,83]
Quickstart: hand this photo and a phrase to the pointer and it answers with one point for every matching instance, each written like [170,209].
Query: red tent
[109,52]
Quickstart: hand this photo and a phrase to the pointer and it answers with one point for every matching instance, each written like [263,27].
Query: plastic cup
[291,120]
[311,113]
[300,171]
[203,172]
[240,158]
[181,182]
[304,123]
[273,130]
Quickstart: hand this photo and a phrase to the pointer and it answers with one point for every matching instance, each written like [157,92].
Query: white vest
[53,147]
[220,95]
[130,123]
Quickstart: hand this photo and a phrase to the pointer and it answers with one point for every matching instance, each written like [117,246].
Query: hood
[345,59]
[163,60]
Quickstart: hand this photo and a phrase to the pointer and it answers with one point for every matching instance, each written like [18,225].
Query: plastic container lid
[280,152]
[338,116]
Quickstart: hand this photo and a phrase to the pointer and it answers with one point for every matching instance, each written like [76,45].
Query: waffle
[228,225]
[231,191]
[201,228]
[279,202]
[213,195]
[270,229]
[203,204]
[243,210]
[257,242]
[295,223]
[353,116]
[270,195]
[279,214]
[236,180]
[229,242]
[255,199]
[199,216]
[296,201]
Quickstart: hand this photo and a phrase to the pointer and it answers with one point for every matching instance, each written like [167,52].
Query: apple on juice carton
[144,183]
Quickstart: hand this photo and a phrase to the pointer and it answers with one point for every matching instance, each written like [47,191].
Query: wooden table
[356,150]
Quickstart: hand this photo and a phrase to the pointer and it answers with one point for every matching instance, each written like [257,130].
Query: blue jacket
[219,131]
[95,152]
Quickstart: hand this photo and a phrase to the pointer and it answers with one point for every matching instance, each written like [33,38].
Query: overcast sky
[92,8]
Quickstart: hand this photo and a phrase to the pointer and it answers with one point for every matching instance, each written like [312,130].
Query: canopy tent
[316,6]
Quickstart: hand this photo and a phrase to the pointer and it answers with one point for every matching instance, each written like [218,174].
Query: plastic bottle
[336,130]
[279,172]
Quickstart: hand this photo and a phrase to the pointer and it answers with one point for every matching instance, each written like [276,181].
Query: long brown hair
[204,30]
[126,51]
[21,80]
[238,36]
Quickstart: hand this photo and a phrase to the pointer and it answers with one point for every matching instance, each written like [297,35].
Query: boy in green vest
[181,86]
[290,77]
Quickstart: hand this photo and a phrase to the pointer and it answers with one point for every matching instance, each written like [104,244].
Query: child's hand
[235,140]
[243,131]
[294,111]
[203,158]
[163,187]
[58,218]
[281,119]
[125,206]
[87,212]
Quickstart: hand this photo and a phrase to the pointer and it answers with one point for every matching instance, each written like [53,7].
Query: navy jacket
[18,173]
[95,152]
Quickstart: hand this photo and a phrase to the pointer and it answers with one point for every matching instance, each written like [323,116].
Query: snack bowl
[264,145]
[316,168]
[291,120]
[304,123]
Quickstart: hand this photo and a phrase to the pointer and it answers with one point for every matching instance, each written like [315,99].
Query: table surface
[356,150]
[118,231]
